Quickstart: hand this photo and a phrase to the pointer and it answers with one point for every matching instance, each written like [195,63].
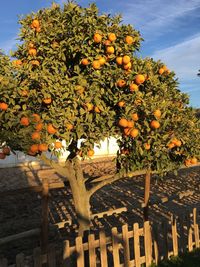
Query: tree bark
[147,194]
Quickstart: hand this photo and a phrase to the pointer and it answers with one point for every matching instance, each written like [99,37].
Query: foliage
[77,71]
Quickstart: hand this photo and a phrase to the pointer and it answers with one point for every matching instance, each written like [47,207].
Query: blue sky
[171,30]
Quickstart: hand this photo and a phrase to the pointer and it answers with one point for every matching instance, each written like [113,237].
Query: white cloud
[183,58]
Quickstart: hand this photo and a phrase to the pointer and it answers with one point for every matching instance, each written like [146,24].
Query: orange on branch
[119,60]
[135,116]
[69,126]
[112,37]
[157,113]
[35,24]
[147,146]
[127,66]
[130,124]
[121,104]
[155,124]
[161,71]
[36,117]
[97,110]
[110,50]
[134,133]
[193,160]
[39,126]
[139,79]
[102,60]
[24,121]
[123,123]
[47,100]
[34,148]
[32,52]
[85,61]
[133,87]
[35,136]
[43,147]
[51,129]
[96,64]
[107,42]
[126,59]
[3,106]
[90,153]
[121,83]
[127,131]
[58,145]
[129,39]
[97,38]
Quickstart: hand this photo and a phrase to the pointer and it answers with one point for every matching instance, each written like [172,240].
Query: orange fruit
[161,71]
[102,60]
[89,106]
[96,64]
[43,147]
[3,106]
[38,29]
[147,146]
[127,131]
[127,66]
[110,50]
[133,87]
[35,62]
[17,62]
[155,124]
[24,121]
[165,68]
[130,124]
[97,110]
[157,113]
[51,129]
[121,83]
[139,78]
[39,126]
[178,143]
[129,39]
[69,126]
[47,100]
[34,148]
[119,60]
[35,24]
[90,153]
[85,61]
[193,160]
[35,136]
[171,145]
[187,162]
[126,59]
[6,150]
[107,42]
[112,37]
[121,104]
[123,123]
[58,145]
[32,52]
[97,38]
[36,117]
[2,155]
[135,117]
[134,133]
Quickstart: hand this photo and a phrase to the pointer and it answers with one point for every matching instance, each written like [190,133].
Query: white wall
[108,147]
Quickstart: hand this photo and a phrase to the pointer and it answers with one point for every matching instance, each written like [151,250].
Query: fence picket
[174,236]
[103,251]
[37,259]
[66,254]
[136,240]
[125,241]
[190,240]
[165,239]
[20,260]
[92,254]
[115,246]
[155,244]
[79,251]
[147,243]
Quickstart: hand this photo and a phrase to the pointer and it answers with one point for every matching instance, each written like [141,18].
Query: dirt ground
[22,211]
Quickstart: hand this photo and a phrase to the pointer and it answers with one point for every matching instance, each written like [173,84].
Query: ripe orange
[24,121]
[38,29]
[107,42]
[177,143]
[36,117]
[127,131]
[130,124]
[155,124]
[134,133]
[6,150]
[147,146]
[133,87]
[51,129]
[3,106]
[121,104]
[127,66]
[126,59]
[165,68]
[47,100]
[34,148]
[97,38]
[119,60]
[129,39]
[43,147]
[187,162]
[157,113]
[135,117]
[85,61]
[2,155]
[96,64]
[97,110]
[171,145]
[90,153]
[32,52]
[121,83]
[102,60]
[69,126]
[39,126]
[139,78]
[35,136]
[35,62]
[35,24]
[161,71]
[58,145]
[17,62]
[89,106]
[110,50]
[193,160]
[112,37]
[123,123]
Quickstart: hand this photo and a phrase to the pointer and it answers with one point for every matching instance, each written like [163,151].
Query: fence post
[91,247]
[79,251]
[147,243]
[165,236]
[174,236]
[196,228]
[103,251]
[37,258]
[125,241]
[147,186]
[115,246]
[136,239]
[45,213]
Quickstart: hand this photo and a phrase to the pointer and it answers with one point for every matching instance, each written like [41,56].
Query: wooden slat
[66,254]
[174,236]
[79,251]
[103,251]
[109,212]
[115,246]
[194,216]
[20,260]
[165,241]
[3,262]
[37,259]
[196,235]
[51,258]
[190,241]
[156,244]
[125,241]
[147,243]
[136,244]
[92,254]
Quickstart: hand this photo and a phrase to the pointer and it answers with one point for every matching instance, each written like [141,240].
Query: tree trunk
[147,194]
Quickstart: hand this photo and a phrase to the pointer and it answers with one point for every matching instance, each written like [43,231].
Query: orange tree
[77,77]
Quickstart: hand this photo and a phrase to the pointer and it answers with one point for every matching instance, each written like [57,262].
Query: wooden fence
[124,247]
